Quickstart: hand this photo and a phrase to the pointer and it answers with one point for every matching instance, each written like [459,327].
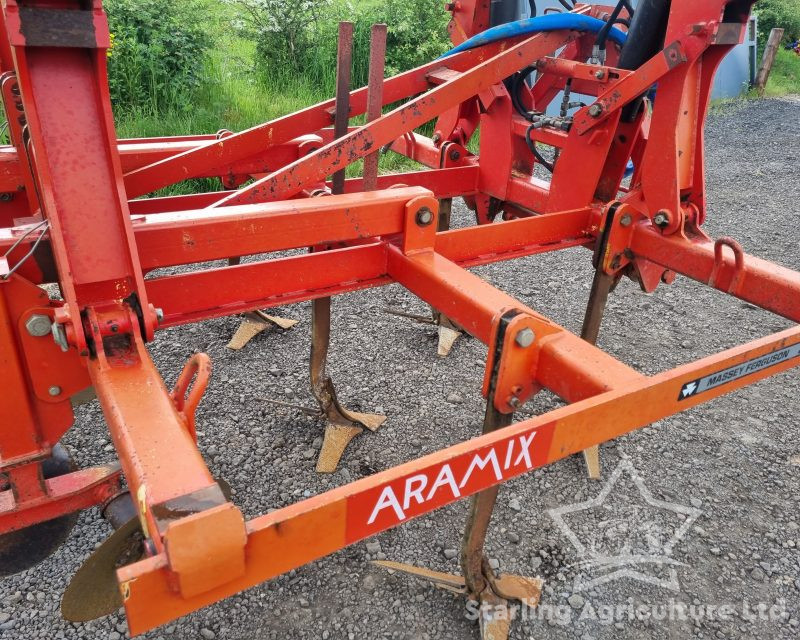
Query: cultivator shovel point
[496,605]
[254,323]
[341,425]
[447,332]
[72,215]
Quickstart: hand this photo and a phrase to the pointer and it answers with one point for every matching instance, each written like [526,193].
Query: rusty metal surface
[93,591]
[344,64]
[377,59]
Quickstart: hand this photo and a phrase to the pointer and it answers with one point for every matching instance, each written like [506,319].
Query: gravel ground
[731,464]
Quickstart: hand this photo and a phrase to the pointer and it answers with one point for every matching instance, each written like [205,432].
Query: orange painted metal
[98,244]
[307,530]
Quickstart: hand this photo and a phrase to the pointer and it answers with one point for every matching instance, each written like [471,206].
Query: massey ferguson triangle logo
[688,389]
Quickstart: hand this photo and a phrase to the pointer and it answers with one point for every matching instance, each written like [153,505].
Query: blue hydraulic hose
[549,22]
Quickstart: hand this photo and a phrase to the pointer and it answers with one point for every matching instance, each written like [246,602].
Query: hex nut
[38,325]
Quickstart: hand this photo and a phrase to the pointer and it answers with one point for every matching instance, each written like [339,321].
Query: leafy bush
[157,54]
[298,39]
[778,13]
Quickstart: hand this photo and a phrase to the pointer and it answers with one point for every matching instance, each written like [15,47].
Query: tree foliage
[778,13]
[299,38]
[157,53]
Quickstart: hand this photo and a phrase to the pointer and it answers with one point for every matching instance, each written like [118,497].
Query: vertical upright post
[770,51]
[377,59]
[344,60]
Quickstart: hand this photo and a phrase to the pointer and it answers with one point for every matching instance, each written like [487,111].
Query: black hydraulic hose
[602,36]
[516,86]
[532,3]
[566,5]
[502,11]
[645,39]
[646,35]
[532,146]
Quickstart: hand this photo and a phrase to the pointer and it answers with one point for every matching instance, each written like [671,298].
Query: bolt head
[513,401]
[599,74]
[525,337]
[38,325]
[424,217]
[595,110]
[626,220]
[55,390]
[661,219]
[455,154]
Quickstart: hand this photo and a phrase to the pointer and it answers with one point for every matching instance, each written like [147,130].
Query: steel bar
[245,144]
[344,63]
[762,283]
[305,531]
[377,59]
[290,180]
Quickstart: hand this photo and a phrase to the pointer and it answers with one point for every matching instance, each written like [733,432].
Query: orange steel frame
[68,216]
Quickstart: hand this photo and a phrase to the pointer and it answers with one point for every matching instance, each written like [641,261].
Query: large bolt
[525,337]
[424,217]
[661,219]
[595,110]
[626,220]
[159,314]
[599,74]
[55,390]
[455,154]
[38,325]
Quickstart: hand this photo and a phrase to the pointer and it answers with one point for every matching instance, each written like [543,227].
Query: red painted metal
[75,177]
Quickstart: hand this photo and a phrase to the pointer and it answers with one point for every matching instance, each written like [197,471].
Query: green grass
[785,76]
[235,95]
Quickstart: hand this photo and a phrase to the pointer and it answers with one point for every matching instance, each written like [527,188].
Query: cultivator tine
[448,334]
[342,425]
[478,581]
[447,330]
[254,323]
[602,285]
[93,592]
